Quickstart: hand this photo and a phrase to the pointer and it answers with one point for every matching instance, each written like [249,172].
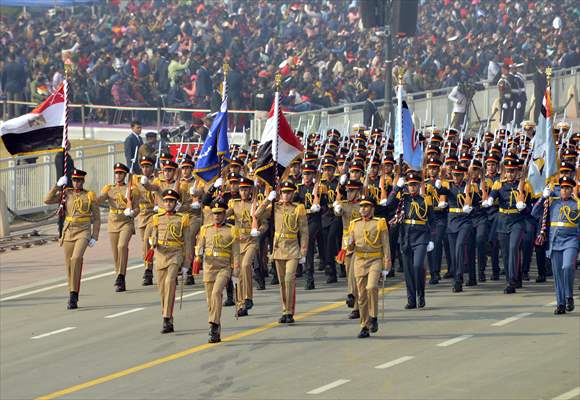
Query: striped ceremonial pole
[65,147]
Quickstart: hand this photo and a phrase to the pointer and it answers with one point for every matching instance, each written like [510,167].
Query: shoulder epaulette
[496,185]
[92,196]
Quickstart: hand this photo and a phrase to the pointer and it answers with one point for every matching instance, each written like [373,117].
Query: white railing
[26,184]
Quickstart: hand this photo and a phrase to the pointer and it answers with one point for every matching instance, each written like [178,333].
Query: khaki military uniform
[159,185]
[241,211]
[120,227]
[171,236]
[82,211]
[369,241]
[290,244]
[350,212]
[195,215]
[146,213]
[220,247]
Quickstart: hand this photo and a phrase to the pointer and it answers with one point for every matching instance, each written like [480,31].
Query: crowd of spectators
[171,52]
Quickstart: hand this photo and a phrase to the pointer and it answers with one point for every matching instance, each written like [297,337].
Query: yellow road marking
[196,349]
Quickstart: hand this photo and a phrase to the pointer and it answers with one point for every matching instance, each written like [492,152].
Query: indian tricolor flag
[278,148]
[39,130]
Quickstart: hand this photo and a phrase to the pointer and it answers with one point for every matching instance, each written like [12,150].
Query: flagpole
[225,69]
[65,155]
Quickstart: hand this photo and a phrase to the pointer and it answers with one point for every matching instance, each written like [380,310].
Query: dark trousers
[331,235]
[541,260]
[394,246]
[481,237]
[458,243]
[314,230]
[435,257]
[528,245]
[413,259]
[510,249]
[448,256]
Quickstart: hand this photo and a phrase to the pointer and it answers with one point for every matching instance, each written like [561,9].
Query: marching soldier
[415,235]
[349,210]
[82,223]
[313,197]
[219,245]
[194,210]
[146,211]
[123,201]
[438,222]
[368,239]
[290,243]
[563,242]
[171,239]
[491,177]
[512,196]
[331,224]
[242,210]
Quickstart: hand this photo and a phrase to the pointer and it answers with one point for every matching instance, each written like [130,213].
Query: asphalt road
[479,344]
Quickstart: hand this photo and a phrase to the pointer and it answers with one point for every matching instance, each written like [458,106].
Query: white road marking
[70,328]
[394,362]
[569,395]
[331,385]
[47,288]
[454,340]
[193,294]
[511,319]
[552,304]
[131,311]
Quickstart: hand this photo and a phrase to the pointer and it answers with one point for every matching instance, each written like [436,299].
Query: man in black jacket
[371,115]
[14,83]
[132,143]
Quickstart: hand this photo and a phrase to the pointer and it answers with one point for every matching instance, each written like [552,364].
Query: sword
[183,273]
[236,300]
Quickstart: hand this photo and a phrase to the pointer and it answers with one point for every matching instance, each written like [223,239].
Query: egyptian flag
[278,148]
[40,130]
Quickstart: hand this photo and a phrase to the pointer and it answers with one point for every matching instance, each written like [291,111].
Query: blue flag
[406,142]
[215,152]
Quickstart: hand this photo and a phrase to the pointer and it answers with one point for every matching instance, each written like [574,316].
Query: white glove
[151,241]
[467,209]
[519,105]
[195,205]
[350,241]
[315,208]
[128,212]
[254,232]
[62,181]
[272,195]
[384,272]
[178,206]
[520,205]
[546,192]
[442,204]
[235,280]
[92,242]
[504,106]
[343,179]
[218,182]
[400,182]
[302,260]
[337,208]
[156,208]
[192,190]
[184,271]
[144,180]
[383,202]
[438,184]
[430,246]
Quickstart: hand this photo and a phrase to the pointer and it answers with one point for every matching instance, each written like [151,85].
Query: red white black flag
[39,130]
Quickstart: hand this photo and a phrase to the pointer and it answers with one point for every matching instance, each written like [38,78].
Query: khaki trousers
[286,270]
[368,296]
[245,287]
[120,247]
[167,285]
[144,233]
[351,280]
[214,293]
[73,258]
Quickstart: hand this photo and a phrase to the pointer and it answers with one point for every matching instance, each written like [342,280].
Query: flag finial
[278,80]
[400,75]
[549,74]
[226,69]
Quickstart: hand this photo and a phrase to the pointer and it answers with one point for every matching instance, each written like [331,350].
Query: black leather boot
[214,333]
[72,301]
[167,325]
[148,277]
[121,285]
